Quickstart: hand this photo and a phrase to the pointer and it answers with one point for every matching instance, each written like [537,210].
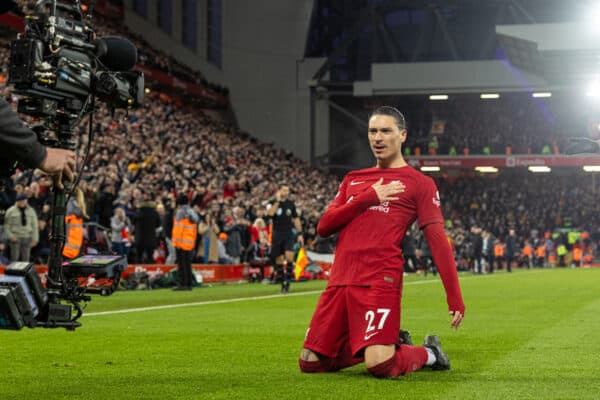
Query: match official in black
[285,218]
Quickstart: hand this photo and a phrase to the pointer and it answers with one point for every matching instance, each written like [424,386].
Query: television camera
[59,68]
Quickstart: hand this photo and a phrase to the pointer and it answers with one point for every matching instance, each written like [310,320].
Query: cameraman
[19,143]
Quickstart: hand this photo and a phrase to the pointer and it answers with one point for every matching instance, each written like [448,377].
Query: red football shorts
[364,316]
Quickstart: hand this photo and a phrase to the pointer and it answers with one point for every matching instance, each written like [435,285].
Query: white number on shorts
[370,316]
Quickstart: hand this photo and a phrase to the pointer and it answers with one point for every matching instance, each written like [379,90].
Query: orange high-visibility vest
[74,236]
[577,254]
[184,234]
[499,250]
[551,258]
[527,251]
[540,252]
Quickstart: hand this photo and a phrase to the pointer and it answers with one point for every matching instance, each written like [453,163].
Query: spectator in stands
[147,222]
[488,250]
[259,256]
[104,204]
[257,227]
[224,258]
[425,257]
[120,227]
[409,253]
[236,228]
[511,249]
[21,229]
[42,250]
[477,241]
[209,248]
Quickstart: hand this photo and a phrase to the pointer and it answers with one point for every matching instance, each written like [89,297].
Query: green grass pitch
[526,335]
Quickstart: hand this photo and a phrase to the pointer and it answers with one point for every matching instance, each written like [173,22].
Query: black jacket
[146,222]
[17,142]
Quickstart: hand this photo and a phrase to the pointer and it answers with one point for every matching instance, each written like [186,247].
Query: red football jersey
[368,248]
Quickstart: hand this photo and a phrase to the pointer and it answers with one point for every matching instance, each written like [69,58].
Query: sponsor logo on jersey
[352,183]
[383,207]
[370,335]
[436,200]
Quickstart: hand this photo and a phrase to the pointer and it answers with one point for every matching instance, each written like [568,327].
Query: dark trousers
[284,272]
[491,258]
[509,261]
[144,254]
[184,267]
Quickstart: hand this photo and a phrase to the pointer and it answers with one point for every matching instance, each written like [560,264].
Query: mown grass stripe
[250,298]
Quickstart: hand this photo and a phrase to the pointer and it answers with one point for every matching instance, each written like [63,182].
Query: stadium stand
[166,148]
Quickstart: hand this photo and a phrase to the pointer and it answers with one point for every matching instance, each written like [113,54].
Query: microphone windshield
[116,53]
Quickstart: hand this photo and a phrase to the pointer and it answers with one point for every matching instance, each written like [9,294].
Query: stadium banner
[503,161]
[209,272]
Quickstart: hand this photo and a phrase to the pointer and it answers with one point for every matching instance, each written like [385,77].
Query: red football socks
[406,360]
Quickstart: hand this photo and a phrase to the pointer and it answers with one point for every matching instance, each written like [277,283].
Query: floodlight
[438,97]
[539,168]
[591,168]
[486,169]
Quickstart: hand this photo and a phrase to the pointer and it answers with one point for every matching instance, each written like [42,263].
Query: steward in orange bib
[185,230]
[577,253]
[528,254]
[74,225]
[540,253]
[499,248]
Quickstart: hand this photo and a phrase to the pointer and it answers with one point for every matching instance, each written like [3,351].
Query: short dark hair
[182,199]
[392,112]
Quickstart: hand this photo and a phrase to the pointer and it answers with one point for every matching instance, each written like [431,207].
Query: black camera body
[57,64]
[59,68]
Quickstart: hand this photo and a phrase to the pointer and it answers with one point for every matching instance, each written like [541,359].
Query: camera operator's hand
[59,162]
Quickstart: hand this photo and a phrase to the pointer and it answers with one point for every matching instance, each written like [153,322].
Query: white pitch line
[271,296]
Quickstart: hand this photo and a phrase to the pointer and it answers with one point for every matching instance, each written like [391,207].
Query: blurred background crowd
[141,161]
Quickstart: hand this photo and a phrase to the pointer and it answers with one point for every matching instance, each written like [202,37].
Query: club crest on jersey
[436,200]
[383,207]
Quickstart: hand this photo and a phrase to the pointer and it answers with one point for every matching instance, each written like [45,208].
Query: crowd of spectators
[140,161]
[524,125]
[541,210]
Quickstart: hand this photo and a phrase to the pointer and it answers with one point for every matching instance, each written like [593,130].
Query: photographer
[19,143]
